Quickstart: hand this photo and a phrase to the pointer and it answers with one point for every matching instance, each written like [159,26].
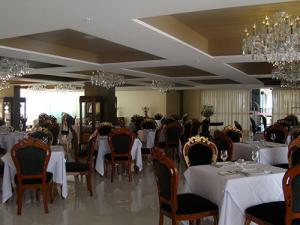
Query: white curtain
[229,105]
[285,102]
[51,102]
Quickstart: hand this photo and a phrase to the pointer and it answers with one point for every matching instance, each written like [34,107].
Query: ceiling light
[11,68]
[37,87]
[68,87]
[107,79]
[162,85]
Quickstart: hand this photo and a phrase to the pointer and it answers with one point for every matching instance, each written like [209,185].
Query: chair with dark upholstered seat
[44,135]
[31,157]
[233,133]
[279,131]
[178,207]
[199,151]
[283,212]
[85,168]
[223,142]
[173,132]
[120,142]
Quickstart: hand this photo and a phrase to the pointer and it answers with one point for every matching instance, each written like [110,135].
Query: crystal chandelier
[37,87]
[3,85]
[162,85]
[107,79]
[277,41]
[68,87]
[12,68]
[289,74]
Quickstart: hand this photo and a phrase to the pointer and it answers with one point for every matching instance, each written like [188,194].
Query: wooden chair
[282,212]
[173,132]
[223,142]
[238,125]
[85,168]
[44,135]
[120,142]
[199,151]
[233,133]
[178,207]
[31,157]
[280,132]
[295,134]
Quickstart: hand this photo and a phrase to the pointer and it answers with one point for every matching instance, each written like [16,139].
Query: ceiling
[196,44]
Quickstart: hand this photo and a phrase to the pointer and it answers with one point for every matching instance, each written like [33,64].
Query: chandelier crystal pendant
[277,41]
[289,74]
[162,85]
[11,68]
[107,79]
[37,87]
[68,87]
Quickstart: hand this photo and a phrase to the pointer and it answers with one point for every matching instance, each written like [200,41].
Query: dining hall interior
[150,112]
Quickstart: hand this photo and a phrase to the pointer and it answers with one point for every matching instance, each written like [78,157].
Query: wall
[131,102]
[173,103]
[192,103]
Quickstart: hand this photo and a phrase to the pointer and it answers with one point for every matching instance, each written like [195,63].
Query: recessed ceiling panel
[51,78]
[36,64]
[73,44]
[216,81]
[175,71]
[269,81]
[91,72]
[253,68]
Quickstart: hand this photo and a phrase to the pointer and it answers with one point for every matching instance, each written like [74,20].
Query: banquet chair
[295,134]
[31,158]
[199,151]
[120,142]
[172,134]
[223,142]
[279,131]
[44,135]
[84,168]
[285,212]
[178,207]
[233,133]
[238,125]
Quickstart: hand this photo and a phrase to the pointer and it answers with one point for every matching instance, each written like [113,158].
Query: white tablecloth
[271,154]
[10,139]
[56,166]
[147,137]
[233,194]
[103,148]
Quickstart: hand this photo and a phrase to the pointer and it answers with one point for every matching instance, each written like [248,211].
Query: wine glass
[254,155]
[224,155]
[273,137]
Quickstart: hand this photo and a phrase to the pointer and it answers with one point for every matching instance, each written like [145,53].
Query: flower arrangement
[105,128]
[148,124]
[207,111]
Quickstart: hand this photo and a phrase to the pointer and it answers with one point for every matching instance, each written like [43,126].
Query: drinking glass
[254,155]
[224,155]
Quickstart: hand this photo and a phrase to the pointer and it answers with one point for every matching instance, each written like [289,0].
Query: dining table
[56,166]
[234,187]
[9,139]
[269,152]
[103,148]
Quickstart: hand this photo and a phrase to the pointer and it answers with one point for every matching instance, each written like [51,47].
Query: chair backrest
[294,152]
[166,175]
[223,142]
[295,134]
[173,132]
[253,125]
[238,125]
[120,142]
[291,186]
[233,133]
[31,157]
[43,135]
[199,151]
[279,131]
[91,149]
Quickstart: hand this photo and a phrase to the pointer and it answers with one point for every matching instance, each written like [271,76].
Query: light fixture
[162,85]
[3,85]
[289,74]
[107,79]
[277,41]
[11,68]
[68,87]
[37,87]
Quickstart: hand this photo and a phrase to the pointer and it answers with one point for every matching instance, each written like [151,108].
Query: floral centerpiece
[207,111]
[148,124]
[105,128]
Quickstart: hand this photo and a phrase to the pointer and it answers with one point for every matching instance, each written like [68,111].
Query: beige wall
[173,103]
[131,102]
[192,103]
[8,92]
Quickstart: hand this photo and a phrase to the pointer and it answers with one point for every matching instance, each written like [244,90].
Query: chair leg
[215,220]
[129,171]
[105,168]
[198,221]
[45,199]
[19,199]
[174,221]
[89,183]
[50,191]
[113,168]
[161,218]
[191,222]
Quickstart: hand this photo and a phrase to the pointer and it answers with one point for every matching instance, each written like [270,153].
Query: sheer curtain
[229,105]
[51,102]
[285,102]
